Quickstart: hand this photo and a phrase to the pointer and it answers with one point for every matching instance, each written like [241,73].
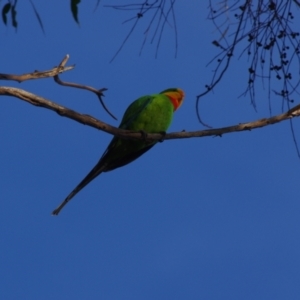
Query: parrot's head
[175,95]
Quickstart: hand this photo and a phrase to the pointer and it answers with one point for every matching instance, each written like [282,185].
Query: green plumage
[150,114]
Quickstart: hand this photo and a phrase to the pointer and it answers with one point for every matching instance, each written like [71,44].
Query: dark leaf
[5,10]
[74,9]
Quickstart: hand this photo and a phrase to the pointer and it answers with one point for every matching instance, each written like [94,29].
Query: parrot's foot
[163,133]
[144,134]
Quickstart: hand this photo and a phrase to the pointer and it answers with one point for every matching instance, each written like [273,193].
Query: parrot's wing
[117,163]
[134,110]
[131,114]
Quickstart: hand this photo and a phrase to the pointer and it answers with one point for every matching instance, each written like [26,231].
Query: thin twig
[99,92]
[146,8]
[229,54]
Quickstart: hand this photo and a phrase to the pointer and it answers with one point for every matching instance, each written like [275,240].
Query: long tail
[97,170]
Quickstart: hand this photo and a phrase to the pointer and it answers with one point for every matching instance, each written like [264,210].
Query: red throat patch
[176,98]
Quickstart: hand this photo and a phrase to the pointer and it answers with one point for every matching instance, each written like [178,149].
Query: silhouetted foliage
[272,45]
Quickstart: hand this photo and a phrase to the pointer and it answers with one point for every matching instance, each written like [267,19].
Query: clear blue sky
[210,218]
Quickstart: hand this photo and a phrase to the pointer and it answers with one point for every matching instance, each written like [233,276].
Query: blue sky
[203,218]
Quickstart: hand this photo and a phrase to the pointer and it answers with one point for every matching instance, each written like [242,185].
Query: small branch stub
[39,74]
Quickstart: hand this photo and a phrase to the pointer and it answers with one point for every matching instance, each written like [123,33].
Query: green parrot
[148,114]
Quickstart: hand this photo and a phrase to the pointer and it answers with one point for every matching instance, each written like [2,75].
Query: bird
[148,114]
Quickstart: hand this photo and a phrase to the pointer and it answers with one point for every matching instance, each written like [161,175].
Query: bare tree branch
[126,134]
[54,73]
[93,122]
